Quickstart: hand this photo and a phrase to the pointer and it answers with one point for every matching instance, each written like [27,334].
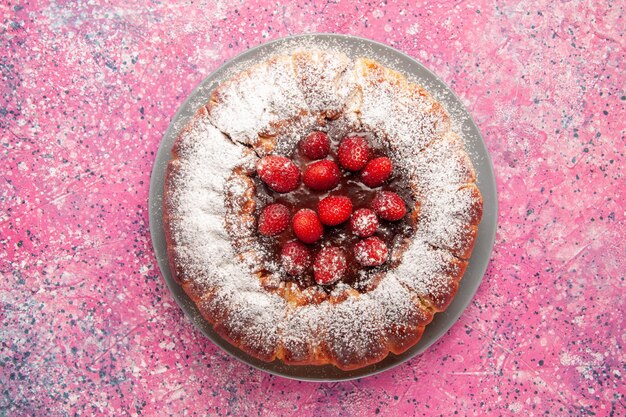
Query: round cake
[320,210]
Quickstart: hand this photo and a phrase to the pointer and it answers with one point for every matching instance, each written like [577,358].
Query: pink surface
[86,323]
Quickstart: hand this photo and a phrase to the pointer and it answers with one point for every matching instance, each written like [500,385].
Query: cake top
[219,188]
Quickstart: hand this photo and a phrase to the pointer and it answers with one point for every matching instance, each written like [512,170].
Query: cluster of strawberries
[282,175]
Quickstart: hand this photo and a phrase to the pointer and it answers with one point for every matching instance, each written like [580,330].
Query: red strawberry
[330,265]
[307,226]
[364,222]
[315,146]
[388,205]
[334,210]
[371,252]
[295,257]
[376,172]
[353,153]
[279,173]
[273,219]
[322,175]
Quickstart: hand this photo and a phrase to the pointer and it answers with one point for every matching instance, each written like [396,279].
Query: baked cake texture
[215,196]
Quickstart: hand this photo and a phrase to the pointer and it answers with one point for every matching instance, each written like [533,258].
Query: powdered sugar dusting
[425,270]
[282,98]
[325,79]
[440,174]
[269,108]
[401,112]
[365,221]
[444,162]
[355,329]
[254,101]
[237,191]
[445,219]
[201,243]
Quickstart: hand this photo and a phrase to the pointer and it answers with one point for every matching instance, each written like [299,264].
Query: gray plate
[353,47]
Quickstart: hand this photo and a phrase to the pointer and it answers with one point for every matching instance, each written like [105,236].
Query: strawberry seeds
[331,210]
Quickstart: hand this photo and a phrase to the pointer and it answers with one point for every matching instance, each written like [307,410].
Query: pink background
[86,323]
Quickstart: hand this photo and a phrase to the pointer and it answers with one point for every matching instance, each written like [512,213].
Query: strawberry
[322,175]
[307,226]
[315,146]
[376,172]
[279,173]
[364,222]
[371,252]
[388,206]
[274,219]
[353,153]
[295,257]
[330,265]
[334,210]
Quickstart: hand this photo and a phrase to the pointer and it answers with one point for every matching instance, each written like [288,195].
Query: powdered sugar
[425,270]
[202,245]
[364,222]
[371,252]
[402,113]
[444,162]
[255,101]
[270,107]
[324,78]
[445,220]
[355,330]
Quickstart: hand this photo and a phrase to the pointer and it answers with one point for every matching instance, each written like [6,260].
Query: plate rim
[487,227]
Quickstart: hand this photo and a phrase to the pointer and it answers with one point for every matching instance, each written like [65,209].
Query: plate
[463,124]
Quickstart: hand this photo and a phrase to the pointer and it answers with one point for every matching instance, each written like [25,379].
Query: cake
[320,210]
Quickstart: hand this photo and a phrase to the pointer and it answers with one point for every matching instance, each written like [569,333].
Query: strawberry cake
[320,210]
